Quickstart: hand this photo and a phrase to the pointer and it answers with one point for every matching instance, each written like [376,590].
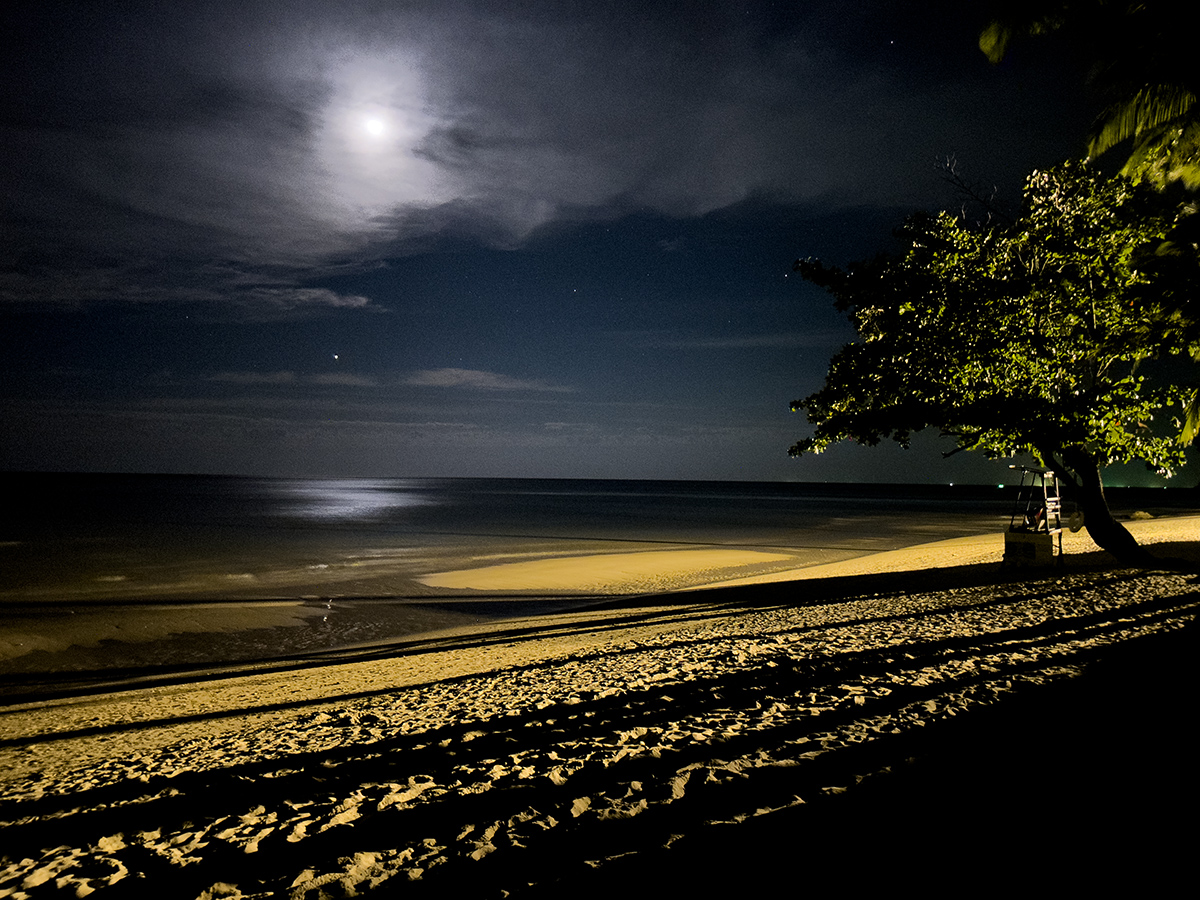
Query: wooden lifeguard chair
[1036,524]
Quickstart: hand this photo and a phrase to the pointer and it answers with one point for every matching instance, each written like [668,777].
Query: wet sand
[50,645]
[916,716]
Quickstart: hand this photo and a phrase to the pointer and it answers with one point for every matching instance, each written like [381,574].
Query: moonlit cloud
[301,298]
[374,118]
[336,379]
[300,137]
[262,378]
[344,379]
[472,378]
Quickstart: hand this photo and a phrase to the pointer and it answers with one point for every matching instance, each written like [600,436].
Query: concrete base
[1028,548]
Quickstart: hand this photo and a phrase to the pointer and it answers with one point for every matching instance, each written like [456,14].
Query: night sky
[474,238]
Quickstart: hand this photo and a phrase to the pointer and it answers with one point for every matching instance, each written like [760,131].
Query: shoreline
[106,649]
[584,744]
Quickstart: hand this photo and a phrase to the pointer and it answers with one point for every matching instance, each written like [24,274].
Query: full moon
[374,126]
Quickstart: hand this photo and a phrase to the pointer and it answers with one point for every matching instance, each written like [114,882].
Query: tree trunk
[1088,490]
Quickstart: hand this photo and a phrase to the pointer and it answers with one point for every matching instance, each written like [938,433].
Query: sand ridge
[714,567]
[608,572]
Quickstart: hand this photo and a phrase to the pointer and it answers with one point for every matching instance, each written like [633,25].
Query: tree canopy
[1029,337]
[1141,56]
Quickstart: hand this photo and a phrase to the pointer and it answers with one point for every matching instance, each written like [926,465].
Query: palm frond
[1150,108]
[1188,174]
[994,40]
[1191,418]
[1167,154]
[1023,18]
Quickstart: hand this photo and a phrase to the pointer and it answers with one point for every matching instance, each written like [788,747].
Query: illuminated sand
[689,742]
[608,573]
[677,569]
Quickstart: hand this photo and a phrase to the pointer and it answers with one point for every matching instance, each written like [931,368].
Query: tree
[1034,336]
[1143,65]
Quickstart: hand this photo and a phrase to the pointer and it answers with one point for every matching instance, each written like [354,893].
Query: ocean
[117,572]
[79,539]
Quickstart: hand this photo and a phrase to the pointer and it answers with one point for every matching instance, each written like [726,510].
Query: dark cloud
[140,138]
[540,237]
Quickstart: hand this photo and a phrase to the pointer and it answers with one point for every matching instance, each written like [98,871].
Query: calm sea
[85,538]
[103,571]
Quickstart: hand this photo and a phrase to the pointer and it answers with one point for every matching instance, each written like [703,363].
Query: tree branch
[971,192]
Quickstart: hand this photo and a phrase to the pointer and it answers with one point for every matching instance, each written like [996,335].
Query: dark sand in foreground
[916,718]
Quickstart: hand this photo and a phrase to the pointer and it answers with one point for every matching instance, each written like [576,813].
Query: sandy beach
[915,716]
